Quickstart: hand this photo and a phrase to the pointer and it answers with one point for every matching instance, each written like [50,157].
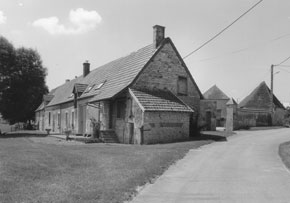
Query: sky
[67,33]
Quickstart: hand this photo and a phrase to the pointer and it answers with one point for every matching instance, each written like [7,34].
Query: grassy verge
[284,152]
[39,171]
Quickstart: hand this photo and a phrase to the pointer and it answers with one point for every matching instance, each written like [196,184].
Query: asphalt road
[246,168]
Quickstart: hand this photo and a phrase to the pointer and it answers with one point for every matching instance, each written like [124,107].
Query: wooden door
[131,133]
[82,120]
[208,120]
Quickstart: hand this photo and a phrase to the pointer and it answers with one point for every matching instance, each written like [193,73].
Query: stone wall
[163,73]
[133,118]
[279,117]
[39,120]
[221,113]
[49,123]
[163,127]
[247,118]
[207,115]
[253,118]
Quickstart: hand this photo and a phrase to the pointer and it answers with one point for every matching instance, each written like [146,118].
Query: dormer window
[100,85]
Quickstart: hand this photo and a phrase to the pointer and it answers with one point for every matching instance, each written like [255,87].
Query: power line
[283,61]
[246,48]
[284,70]
[284,65]
[223,30]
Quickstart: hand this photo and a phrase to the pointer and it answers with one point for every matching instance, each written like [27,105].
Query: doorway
[82,120]
[208,120]
[131,133]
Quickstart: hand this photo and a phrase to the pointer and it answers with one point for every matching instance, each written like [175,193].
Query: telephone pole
[272,102]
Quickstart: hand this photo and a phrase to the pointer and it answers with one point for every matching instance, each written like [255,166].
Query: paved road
[246,168]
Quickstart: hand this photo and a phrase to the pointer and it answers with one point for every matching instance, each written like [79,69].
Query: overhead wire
[247,48]
[283,61]
[223,30]
[283,69]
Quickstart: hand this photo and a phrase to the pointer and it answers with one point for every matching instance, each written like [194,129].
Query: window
[66,120]
[121,109]
[49,118]
[73,119]
[89,88]
[58,120]
[131,107]
[182,86]
[100,85]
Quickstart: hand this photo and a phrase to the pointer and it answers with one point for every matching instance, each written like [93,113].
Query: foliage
[7,60]
[243,126]
[22,83]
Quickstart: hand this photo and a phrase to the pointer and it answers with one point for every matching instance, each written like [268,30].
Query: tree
[7,60]
[23,86]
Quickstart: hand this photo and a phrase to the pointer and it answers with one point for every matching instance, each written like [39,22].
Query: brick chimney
[158,35]
[86,68]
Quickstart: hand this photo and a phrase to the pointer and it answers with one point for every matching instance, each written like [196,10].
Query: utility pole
[272,102]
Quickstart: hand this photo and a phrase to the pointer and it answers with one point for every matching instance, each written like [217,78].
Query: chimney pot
[86,68]
[158,35]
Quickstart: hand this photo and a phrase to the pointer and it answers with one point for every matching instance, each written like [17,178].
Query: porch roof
[159,101]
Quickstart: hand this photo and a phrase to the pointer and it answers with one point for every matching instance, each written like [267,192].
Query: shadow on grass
[216,138]
[21,134]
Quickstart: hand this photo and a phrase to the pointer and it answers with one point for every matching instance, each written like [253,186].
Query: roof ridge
[245,102]
[123,69]
[214,92]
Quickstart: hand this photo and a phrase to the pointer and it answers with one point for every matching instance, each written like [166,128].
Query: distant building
[146,97]
[214,94]
[255,109]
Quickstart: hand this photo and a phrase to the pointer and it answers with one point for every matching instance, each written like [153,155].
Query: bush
[243,126]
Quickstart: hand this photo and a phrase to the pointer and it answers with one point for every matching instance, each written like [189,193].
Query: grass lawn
[284,152]
[40,170]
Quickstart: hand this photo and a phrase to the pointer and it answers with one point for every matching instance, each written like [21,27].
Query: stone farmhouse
[148,96]
[255,109]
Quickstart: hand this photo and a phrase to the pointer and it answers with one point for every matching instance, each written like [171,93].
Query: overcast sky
[66,33]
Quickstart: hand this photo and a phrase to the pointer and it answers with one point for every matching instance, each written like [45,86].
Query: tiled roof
[115,76]
[63,92]
[41,107]
[46,99]
[260,98]
[215,93]
[160,101]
